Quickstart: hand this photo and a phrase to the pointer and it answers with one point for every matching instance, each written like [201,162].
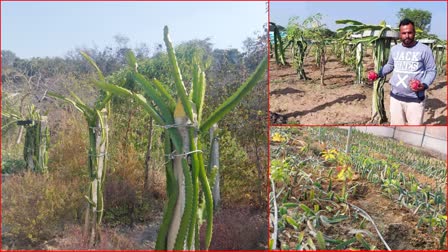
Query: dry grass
[69,143]
[36,207]
[111,239]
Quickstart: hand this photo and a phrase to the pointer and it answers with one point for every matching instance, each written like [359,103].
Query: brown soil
[339,101]
[397,225]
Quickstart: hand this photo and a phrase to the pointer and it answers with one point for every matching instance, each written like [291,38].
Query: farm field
[340,100]
[382,194]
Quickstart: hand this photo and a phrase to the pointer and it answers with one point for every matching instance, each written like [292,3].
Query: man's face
[407,34]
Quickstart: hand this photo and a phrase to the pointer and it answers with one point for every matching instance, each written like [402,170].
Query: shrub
[36,207]
[10,166]
[125,200]
[68,150]
[68,154]
[239,178]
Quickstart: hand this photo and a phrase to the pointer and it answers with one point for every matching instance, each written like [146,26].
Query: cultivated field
[381,194]
[339,101]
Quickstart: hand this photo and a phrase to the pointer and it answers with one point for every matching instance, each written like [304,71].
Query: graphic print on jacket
[409,63]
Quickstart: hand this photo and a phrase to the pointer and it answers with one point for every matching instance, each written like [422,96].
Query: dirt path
[145,235]
[295,101]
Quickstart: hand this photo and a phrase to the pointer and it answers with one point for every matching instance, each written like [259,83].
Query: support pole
[349,138]
[215,163]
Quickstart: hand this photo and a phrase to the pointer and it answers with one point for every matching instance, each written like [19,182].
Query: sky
[365,12]
[41,29]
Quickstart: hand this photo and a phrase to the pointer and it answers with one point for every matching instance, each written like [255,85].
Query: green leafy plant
[10,166]
[317,32]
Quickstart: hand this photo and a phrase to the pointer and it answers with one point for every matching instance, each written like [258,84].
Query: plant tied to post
[96,117]
[190,200]
[381,37]
[37,137]
[319,34]
[299,45]
[279,50]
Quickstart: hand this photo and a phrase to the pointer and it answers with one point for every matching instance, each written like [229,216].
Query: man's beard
[408,42]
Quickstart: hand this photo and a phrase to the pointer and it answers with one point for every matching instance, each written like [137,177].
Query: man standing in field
[414,70]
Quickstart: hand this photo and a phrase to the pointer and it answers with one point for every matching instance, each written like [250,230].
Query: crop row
[402,187]
[395,151]
[313,200]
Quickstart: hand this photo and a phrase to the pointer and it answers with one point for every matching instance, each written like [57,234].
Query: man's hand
[372,76]
[416,85]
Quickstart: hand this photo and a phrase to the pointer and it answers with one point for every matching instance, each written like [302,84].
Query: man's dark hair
[406,21]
